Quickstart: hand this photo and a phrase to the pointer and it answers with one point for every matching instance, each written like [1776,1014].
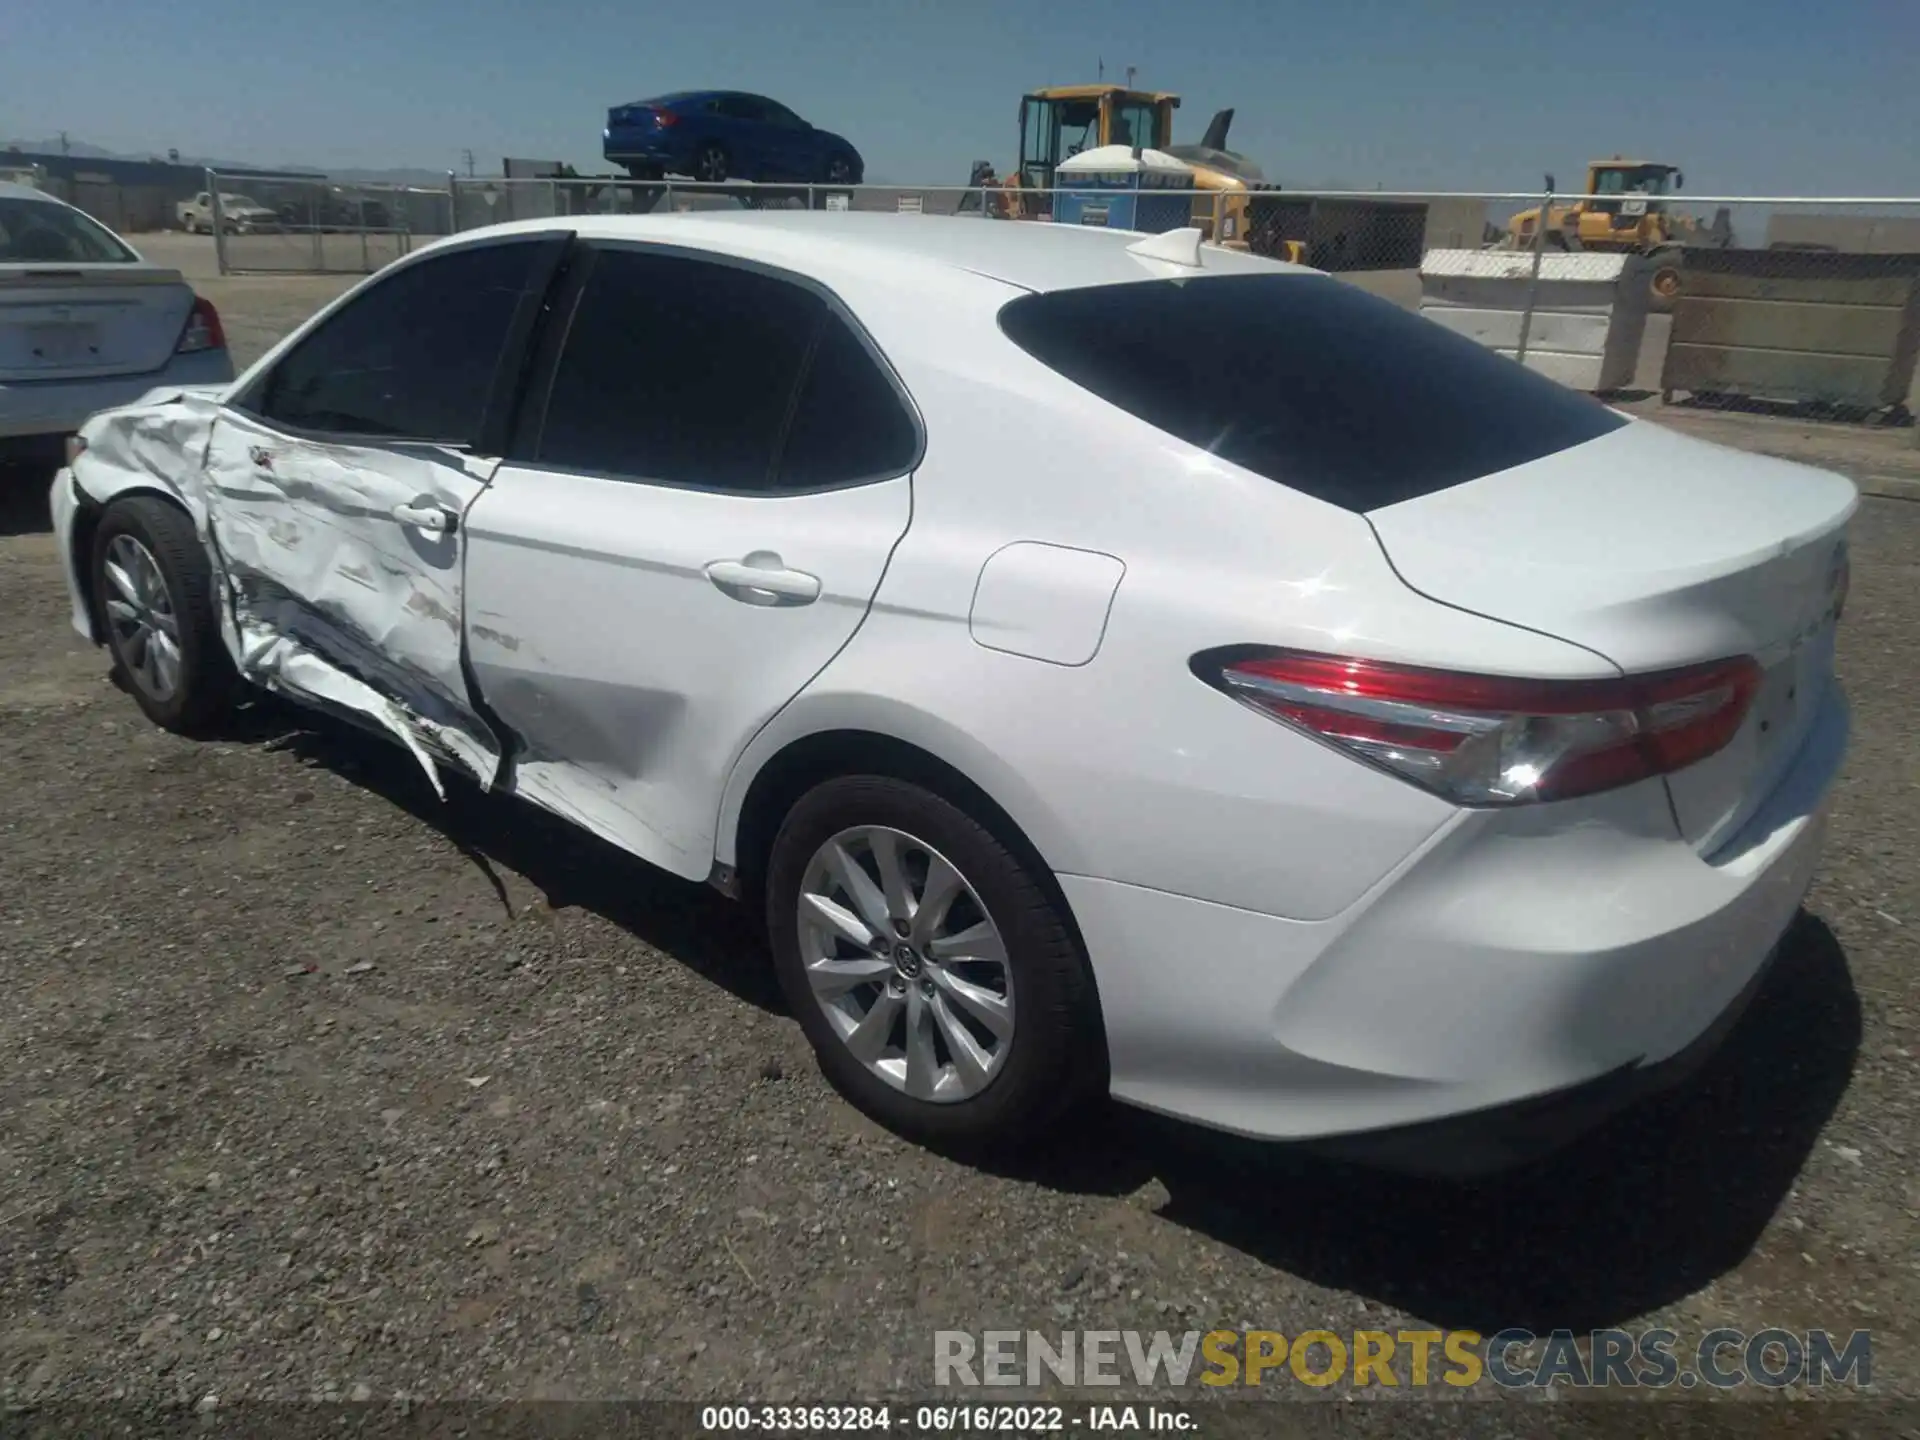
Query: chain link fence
[1797,305]
[309,224]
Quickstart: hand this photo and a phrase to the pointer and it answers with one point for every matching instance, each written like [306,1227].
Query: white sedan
[1113,664]
[85,323]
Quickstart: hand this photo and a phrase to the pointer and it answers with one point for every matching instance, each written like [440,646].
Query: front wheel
[156,596]
[942,990]
[1667,281]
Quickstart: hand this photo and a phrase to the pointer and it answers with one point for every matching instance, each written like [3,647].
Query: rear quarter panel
[1127,767]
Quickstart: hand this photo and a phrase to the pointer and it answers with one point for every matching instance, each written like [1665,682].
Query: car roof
[1032,255]
[681,97]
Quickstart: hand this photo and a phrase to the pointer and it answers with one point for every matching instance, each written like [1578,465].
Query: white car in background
[86,324]
[1110,662]
[239,215]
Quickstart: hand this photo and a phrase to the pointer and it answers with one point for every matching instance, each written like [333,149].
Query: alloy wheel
[140,611]
[906,964]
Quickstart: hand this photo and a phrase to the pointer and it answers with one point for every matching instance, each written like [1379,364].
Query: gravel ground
[316,1086]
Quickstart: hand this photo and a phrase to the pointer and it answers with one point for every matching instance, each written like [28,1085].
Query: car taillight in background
[664,118]
[1485,740]
[203,330]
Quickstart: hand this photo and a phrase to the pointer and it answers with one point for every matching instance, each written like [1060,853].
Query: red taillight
[203,330]
[664,118]
[1489,739]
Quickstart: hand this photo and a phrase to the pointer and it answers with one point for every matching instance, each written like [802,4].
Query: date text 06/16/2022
[941,1419]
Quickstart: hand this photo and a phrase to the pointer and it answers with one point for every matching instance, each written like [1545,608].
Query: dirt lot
[316,1086]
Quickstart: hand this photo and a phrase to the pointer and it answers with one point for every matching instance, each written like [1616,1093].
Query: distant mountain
[80,149]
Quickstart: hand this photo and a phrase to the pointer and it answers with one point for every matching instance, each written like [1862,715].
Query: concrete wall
[1849,234]
[1456,224]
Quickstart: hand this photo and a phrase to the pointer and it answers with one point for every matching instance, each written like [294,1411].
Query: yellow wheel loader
[1061,121]
[1625,211]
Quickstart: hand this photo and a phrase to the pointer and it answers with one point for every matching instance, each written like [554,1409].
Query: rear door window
[688,372]
[677,370]
[1308,381]
[849,422]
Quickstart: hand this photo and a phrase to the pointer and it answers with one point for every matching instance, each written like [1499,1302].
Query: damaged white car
[1115,663]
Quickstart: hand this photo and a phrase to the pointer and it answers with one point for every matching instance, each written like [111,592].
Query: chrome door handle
[436,518]
[763,579]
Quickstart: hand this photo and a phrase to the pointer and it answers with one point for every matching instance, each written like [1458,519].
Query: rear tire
[154,593]
[1008,1036]
[710,164]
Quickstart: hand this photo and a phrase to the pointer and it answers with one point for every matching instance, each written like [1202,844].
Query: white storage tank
[1589,316]
[1112,186]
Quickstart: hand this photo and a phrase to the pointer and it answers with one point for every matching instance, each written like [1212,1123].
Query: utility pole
[66,146]
[1103,68]
[469,158]
[1130,73]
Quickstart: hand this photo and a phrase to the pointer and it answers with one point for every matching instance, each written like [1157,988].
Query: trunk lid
[1655,550]
[74,322]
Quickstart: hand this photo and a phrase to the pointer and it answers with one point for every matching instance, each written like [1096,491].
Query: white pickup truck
[238,215]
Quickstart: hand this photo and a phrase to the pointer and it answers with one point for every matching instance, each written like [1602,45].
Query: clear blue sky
[1750,96]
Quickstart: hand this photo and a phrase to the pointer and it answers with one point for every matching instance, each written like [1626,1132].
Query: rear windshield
[41,232]
[1308,381]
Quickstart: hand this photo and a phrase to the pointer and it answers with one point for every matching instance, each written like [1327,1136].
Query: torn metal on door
[328,596]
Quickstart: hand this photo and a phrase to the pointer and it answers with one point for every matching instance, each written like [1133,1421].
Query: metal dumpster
[1589,310]
[1796,326]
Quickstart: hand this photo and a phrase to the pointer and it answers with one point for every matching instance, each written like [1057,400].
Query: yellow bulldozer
[1060,121]
[1626,209]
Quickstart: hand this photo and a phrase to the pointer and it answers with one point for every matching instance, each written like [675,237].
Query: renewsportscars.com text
[1415,1359]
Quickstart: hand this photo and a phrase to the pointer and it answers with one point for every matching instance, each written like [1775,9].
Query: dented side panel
[331,597]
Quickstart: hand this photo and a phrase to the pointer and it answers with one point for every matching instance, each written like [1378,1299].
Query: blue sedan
[715,135]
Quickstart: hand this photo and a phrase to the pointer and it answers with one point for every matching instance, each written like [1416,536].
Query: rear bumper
[648,148]
[1484,1142]
[30,409]
[1520,978]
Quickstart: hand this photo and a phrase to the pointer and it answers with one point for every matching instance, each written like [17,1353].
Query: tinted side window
[678,370]
[850,423]
[1306,380]
[413,358]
